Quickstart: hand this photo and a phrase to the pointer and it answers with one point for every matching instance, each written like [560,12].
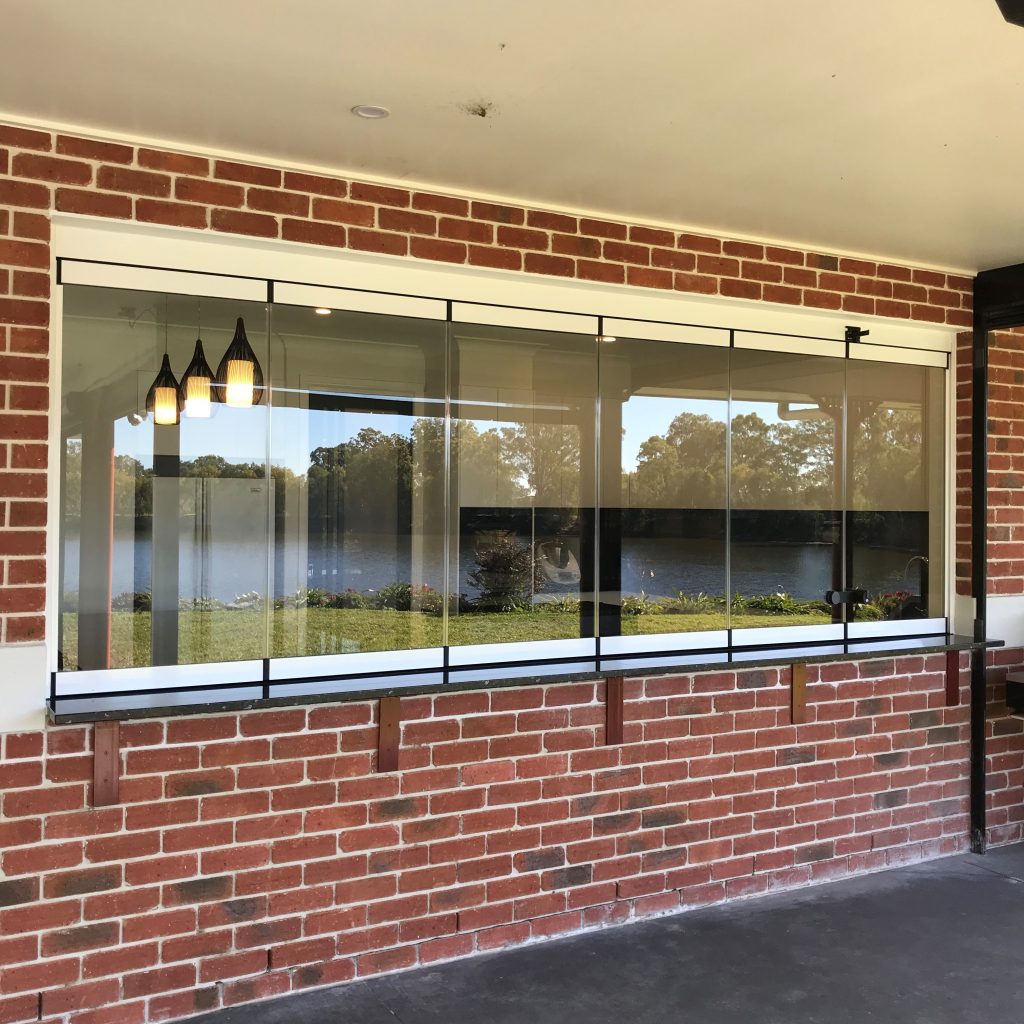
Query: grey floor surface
[928,944]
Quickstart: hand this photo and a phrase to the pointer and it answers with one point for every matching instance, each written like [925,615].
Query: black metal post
[998,303]
[979,570]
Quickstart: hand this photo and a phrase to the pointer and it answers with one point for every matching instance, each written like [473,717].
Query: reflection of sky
[239,435]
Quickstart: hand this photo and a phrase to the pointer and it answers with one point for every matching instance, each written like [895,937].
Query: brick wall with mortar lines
[42,172]
[1005,521]
[260,853]
[1004,751]
[1004,744]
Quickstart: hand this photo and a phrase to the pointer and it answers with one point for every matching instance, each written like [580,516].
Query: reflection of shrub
[772,604]
[200,604]
[895,604]
[776,604]
[129,601]
[348,598]
[563,603]
[70,602]
[868,613]
[506,575]
[693,604]
[639,604]
[431,602]
[250,601]
[397,596]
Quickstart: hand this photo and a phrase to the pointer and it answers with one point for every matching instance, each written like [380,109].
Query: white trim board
[1004,618]
[89,238]
[24,688]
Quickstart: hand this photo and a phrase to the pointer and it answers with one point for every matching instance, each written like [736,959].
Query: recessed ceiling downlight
[370,111]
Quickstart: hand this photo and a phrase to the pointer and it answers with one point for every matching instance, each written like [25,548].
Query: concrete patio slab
[928,944]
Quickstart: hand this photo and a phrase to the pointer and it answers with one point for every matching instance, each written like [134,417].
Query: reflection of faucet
[917,558]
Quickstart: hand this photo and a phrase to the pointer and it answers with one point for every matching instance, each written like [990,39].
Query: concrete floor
[929,944]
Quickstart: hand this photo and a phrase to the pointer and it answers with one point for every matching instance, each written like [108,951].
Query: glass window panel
[664,413]
[896,486]
[163,526]
[522,485]
[786,488]
[357,451]
[345,514]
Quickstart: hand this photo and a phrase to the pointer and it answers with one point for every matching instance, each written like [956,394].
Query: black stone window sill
[246,696]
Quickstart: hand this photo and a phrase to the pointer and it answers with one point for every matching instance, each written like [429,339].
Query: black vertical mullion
[728,492]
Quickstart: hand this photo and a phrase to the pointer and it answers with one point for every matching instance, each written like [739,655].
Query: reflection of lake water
[659,567]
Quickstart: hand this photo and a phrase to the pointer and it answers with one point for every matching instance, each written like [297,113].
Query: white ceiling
[890,127]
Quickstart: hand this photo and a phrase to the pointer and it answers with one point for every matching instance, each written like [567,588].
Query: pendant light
[163,399]
[197,380]
[239,377]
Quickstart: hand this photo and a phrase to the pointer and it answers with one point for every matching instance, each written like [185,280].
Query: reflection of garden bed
[223,635]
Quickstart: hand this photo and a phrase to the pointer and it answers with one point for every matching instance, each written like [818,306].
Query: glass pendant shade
[197,385]
[239,377]
[164,398]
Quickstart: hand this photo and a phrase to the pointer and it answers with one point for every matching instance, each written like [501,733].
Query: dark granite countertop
[250,695]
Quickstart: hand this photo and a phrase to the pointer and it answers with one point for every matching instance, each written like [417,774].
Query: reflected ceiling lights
[239,377]
[322,311]
[196,384]
[370,111]
[238,382]
[163,398]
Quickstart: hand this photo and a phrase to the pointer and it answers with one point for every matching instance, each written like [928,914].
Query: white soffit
[849,126]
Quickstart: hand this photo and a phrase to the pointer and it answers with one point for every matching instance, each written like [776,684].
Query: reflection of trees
[775,465]
[779,465]
[683,468]
[887,459]
[370,472]
[133,490]
[545,461]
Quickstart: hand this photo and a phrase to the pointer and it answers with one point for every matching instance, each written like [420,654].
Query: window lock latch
[838,597]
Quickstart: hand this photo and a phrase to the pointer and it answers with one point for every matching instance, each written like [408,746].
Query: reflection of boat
[557,562]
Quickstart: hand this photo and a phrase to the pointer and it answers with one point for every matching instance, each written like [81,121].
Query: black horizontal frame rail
[849,331]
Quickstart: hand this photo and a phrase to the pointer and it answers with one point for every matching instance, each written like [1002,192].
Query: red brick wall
[260,853]
[41,172]
[1004,748]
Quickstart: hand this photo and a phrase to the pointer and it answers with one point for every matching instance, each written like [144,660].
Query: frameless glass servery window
[163,526]
[358,459]
[522,493]
[385,486]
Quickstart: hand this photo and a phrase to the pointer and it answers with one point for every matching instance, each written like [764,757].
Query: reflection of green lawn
[240,635]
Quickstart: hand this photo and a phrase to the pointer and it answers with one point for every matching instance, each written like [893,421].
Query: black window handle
[838,597]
